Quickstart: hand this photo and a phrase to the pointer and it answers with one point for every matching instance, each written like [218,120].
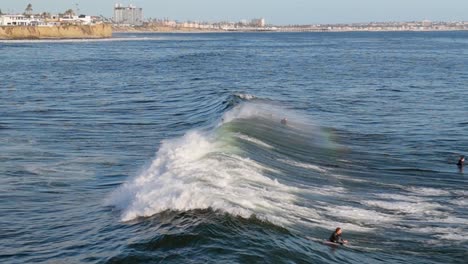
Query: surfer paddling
[461,162]
[284,121]
[336,237]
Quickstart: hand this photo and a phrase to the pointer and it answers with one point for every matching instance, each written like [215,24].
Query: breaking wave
[250,163]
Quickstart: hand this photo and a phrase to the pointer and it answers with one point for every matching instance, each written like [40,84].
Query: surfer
[336,237]
[461,162]
[284,121]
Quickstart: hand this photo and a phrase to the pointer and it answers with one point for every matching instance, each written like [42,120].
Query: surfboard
[331,244]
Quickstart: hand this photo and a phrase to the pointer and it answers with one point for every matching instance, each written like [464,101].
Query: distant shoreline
[168,26]
[192,30]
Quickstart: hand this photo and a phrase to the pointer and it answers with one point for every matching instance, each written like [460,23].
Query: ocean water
[169,148]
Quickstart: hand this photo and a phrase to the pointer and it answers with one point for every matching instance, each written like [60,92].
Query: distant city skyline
[280,12]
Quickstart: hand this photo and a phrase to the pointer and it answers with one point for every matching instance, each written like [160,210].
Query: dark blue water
[168,148]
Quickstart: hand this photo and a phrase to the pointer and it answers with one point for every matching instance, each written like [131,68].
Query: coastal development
[259,25]
[130,19]
[425,25]
[68,25]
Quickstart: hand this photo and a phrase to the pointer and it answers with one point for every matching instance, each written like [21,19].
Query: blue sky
[274,11]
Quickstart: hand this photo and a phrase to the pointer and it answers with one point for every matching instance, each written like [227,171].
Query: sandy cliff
[58,32]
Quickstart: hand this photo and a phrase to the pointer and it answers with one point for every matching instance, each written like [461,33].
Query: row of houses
[255,24]
[53,20]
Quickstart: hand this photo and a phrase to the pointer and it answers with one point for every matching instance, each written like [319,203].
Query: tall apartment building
[258,22]
[130,15]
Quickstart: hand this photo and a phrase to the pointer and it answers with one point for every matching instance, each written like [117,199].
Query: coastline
[105,31]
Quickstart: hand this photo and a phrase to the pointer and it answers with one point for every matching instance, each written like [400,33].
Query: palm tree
[45,14]
[28,11]
[69,13]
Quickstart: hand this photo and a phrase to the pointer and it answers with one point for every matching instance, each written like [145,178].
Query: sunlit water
[170,147]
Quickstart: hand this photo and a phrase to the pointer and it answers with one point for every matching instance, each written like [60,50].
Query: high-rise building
[427,23]
[258,22]
[130,15]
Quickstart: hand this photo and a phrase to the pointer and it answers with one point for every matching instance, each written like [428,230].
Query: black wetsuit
[460,163]
[335,238]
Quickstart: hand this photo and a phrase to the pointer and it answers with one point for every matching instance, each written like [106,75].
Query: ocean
[235,148]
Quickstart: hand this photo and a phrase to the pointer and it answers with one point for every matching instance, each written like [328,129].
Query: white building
[81,20]
[130,15]
[21,20]
[427,23]
[169,23]
[15,20]
[258,22]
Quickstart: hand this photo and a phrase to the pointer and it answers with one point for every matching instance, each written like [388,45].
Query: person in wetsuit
[336,237]
[461,161]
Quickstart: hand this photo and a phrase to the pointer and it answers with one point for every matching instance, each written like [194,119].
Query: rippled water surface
[169,148]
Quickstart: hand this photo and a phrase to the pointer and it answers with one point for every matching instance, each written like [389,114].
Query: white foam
[364,216]
[428,191]
[334,191]
[449,219]
[303,165]
[400,197]
[253,140]
[423,211]
[418,208]
[346,178]
[460,201]
[245,96]
[460,193]
[460,237]
[444,233]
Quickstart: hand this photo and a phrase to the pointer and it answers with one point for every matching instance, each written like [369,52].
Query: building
[22,20]
[76,20]
[427,23]
[15,20]
[258,22]
[46,21]
[130,15]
